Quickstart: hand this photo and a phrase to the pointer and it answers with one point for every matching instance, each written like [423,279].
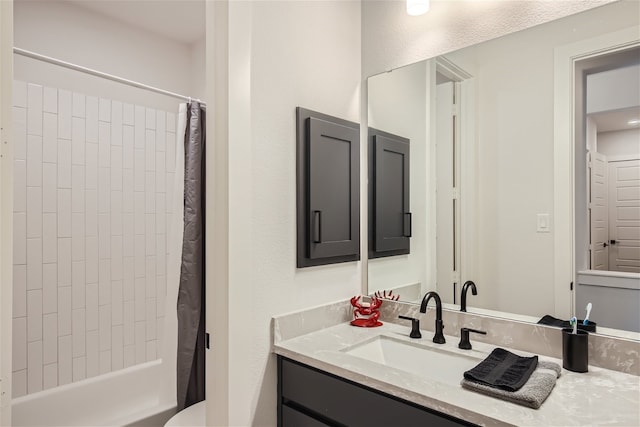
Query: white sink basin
[434,363]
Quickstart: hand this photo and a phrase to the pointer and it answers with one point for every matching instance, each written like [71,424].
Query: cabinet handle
[407,220]
[317,228]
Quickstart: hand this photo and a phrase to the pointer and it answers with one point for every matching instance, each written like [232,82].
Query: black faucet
[463,299]
[438,338]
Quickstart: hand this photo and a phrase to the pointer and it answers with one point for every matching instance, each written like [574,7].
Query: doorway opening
[451,118]
[610,149]
[607,185]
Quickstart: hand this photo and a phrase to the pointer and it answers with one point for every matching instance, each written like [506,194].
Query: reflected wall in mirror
[481,127]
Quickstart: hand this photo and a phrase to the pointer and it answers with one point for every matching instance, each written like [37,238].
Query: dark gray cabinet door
[390,216]
[332,184]
[331,400]
[294,418]
[328,189]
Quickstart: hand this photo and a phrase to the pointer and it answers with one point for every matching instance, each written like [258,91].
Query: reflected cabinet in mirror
[389,195]
[506,187]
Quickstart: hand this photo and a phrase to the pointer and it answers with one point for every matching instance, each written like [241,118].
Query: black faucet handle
[465,344]
[415,326]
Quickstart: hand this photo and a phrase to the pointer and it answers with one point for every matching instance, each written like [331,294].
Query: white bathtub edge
[125,397]
[152,417]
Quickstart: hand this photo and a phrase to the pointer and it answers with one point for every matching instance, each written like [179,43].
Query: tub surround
[601,396]
[90,237]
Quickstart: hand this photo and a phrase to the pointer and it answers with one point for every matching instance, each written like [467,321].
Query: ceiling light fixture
[634,122]
[417,7]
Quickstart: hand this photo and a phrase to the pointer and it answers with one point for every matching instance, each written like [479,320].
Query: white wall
[198,70]
[514,95]
[623,142]
[282,55]
[613,89]
[77,35]
[6,202]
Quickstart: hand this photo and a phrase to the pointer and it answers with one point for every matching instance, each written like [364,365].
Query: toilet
[193,416]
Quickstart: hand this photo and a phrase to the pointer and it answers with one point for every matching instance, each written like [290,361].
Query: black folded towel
[552,321]
[503,369]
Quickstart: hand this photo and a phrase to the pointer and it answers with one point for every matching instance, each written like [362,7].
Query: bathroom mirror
[481,127]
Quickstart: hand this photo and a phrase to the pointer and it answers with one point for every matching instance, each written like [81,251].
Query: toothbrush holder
[589,327]
[575,350]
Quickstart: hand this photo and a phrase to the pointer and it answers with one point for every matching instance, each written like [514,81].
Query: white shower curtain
[174,259]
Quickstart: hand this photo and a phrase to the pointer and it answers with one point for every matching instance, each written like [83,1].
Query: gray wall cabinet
[389,200]
[328,189]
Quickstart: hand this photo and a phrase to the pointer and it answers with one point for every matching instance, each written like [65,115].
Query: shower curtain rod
[97,73]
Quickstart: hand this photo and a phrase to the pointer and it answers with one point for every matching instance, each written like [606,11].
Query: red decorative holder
[366,314]
[389,296]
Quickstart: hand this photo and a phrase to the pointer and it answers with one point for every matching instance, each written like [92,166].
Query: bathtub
[135,396]
[143,395]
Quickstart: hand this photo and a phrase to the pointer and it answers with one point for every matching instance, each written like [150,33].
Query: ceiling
[180,20]
[608,121]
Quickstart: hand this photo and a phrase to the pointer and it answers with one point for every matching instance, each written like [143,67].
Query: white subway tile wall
[92,180]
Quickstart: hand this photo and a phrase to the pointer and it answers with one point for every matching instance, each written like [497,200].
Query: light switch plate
[544,225]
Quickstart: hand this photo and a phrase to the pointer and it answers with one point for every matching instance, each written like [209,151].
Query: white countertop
[598,397]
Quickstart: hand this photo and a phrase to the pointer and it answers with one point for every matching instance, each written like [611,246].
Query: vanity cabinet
[310,397]
[328,189]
